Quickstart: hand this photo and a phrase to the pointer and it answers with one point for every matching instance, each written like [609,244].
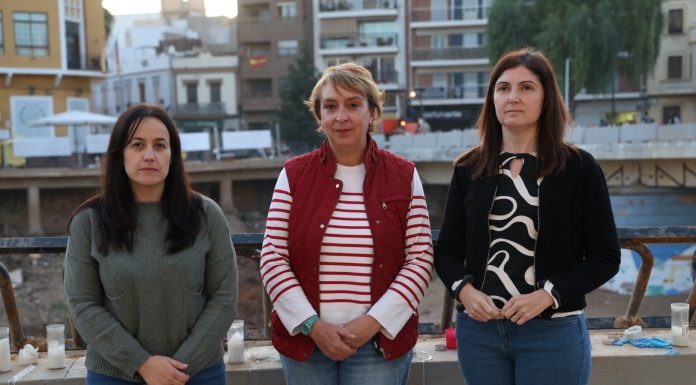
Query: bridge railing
[249,245]
[446,145]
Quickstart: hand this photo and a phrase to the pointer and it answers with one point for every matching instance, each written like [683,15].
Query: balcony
[679,86]
[341,6]
[440,16]
[471,92]
[451,53]
[365,42]
[200,110]
[385,76]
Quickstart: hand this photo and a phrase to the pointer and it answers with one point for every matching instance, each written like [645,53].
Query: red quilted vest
[315,193]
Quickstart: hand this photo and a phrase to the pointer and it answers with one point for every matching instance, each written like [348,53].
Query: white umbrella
[74,118]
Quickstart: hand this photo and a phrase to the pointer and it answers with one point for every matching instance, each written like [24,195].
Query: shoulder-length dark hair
[552,150]
[115,203]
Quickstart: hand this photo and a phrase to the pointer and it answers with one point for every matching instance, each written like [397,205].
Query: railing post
[447,305]
[8,298]
[631,318]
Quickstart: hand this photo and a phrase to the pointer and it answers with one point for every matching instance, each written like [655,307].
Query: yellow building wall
[42,86]
[9,59]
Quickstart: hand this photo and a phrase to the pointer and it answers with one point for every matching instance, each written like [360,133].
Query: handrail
[249,244]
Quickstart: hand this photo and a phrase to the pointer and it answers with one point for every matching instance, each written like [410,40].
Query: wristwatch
[306,326]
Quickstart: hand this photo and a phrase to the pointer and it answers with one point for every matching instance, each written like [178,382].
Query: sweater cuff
[135,361]
[548,287]
[457,286]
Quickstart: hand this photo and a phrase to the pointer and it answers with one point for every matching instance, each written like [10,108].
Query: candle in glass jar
[5,363]
[235,348]
[56,355]
[680,335]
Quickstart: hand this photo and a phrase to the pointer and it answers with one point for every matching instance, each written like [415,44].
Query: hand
[522,308]
[478,305]
[364,328]
[329,339]
[161,370]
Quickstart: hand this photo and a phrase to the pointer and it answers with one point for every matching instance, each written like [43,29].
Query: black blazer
[577,248]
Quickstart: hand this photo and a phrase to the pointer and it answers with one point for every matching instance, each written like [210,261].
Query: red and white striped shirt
[346,260]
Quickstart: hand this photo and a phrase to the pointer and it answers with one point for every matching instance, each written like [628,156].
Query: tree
[297,124]
[598,36]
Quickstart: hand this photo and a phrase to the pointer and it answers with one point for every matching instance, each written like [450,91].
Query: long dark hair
[115,204]
[552,150]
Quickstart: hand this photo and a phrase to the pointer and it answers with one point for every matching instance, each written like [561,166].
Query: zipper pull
[384,205]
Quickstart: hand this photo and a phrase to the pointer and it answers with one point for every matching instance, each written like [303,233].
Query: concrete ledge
[611,365]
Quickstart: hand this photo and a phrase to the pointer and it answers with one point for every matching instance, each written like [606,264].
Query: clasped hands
[162,370]
[519,309]
[338,343]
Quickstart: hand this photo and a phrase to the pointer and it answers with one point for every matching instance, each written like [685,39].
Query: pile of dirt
[41,299]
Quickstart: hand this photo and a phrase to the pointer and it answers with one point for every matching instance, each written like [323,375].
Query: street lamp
[413,94]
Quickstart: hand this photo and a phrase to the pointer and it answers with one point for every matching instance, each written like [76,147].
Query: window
[31,33]
[383,69]
[2,39]
[438,41]
[105,98]
[191,92]
[128,91]
[380,33]
[675,21]
[156,90]
[258,49]
[141,91]
[215,88]
[466,40]
[287,48]
[671,115]
[72,42]
[287,10]
[259,88]
[674,67]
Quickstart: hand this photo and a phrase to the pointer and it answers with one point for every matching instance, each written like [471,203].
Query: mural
[671,274]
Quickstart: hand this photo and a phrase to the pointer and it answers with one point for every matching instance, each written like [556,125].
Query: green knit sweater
[129,306]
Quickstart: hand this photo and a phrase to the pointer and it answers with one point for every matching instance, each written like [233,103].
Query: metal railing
[449,53]
[454,13]
[249,245]
[356,5]
[469,91]
[363,40]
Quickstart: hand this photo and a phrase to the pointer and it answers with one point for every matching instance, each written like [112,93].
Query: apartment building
[448,64]
[672,87]
[49,55]
[270,33]
[668,92]
[370,33]
[179,59]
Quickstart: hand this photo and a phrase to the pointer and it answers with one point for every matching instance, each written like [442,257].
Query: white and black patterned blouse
[513,223]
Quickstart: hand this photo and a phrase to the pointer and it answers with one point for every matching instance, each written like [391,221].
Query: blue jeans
[214,375]
[552,351]
[365,367]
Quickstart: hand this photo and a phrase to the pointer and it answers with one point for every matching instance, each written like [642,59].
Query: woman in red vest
[528,230]
[347,254]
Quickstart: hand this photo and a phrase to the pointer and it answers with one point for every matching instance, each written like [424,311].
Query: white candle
[5,363]
[235,348]
[56,355]
[680,335]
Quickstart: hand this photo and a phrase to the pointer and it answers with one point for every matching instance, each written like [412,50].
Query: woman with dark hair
[347,254]
[528,231]
[150,271]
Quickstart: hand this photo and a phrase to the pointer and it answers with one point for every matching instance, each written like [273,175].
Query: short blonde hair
[352,77]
